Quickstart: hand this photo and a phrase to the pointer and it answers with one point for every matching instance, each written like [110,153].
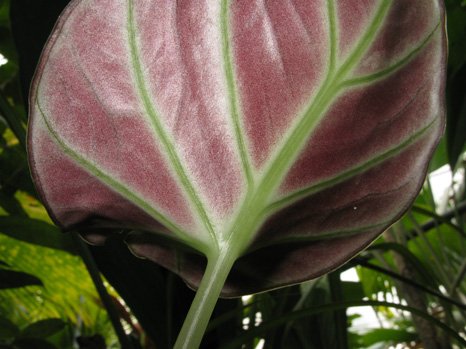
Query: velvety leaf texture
[293,132]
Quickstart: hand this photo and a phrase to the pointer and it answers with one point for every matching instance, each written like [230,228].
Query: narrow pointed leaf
[291,133]
[37,232]
[15,279]
[42,329]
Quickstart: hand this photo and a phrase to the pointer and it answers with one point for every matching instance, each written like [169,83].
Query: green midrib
[250,216]
[257,201]
[364,166]
[310,119]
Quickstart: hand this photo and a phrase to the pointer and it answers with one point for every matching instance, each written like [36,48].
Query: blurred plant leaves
[157,298]
[7,328]
[456,88]
[387,335]
[14,172]
[29,343]
[68,292]
[37,232]
[15,279]
[42,329]
[302,314]
[31,24]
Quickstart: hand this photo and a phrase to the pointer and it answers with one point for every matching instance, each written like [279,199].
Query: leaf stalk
[215,275]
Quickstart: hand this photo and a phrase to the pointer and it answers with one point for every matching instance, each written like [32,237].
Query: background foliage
[411,278]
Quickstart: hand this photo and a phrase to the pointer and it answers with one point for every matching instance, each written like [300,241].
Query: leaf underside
[294,131]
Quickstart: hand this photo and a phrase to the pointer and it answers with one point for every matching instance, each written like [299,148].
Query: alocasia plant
[247,144]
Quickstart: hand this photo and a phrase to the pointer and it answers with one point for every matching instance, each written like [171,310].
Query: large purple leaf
[285,134]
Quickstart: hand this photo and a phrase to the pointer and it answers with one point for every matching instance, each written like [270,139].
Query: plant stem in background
[414,298]
[102,291]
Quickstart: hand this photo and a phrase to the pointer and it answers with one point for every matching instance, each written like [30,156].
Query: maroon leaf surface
[288,134]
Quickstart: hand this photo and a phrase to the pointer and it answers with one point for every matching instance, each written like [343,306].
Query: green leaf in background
[32,343]
[440,157]
[68,291]
[42,329]
[7,328]
[7,46]
[387,335]
[9,204]
[36,232]
[31,23]
[13,120]
[307,312]
[14,172]
[419,267]
[456,88]
[156,297]
[352,290]
[15,279]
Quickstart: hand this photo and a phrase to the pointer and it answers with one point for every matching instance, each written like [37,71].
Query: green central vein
[366,40]
[226,51]
[250,216]
[159,129]
[310,119]
[352,82]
